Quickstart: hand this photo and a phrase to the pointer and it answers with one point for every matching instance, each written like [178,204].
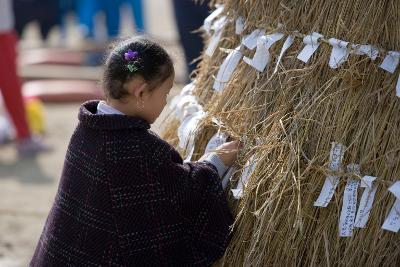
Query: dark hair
[154,65]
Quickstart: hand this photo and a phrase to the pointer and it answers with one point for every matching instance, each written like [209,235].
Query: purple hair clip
[131,55]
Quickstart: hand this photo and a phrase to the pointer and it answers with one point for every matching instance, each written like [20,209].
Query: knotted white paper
[398,87]
[213,43]
[368,50]
[248,170]
[395,189]
[391,61]
[187,90]
[288,43]
[349,205]
[392,222]
[218,139]
[367,199]
[187,128]
[331,181]
[262,56]
[250,41]
[239,26]
[339,53]
[227,177]
[186,105]
[208,21]
[226,69]
[311,45]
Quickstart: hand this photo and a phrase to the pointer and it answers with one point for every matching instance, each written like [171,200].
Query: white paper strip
[187,128]
[190,149]
[226,69]
[250,41]
[239,27]
[186,105]
[288,43]
[392,222]
[186,91]
[368,50]
[189,88]
[262,56]
[348,214]
[213,43]
[398,87]
[248,170]
[215,141]
[391,61]
[331,182]
[395,189]
[349,205]
[217,122]
[208,21]
[339,52]
[366,201]
[237,193]
[312,44]
[227,177]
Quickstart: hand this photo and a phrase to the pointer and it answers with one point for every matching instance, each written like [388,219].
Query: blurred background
[55,48]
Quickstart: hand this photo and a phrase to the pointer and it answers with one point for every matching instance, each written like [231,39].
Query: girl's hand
[228,152]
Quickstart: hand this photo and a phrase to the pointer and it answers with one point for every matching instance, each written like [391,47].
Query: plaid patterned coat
[126,199]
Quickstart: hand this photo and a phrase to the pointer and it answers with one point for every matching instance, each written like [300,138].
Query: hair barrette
[132,57]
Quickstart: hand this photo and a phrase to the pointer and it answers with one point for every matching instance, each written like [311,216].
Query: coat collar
[88,117]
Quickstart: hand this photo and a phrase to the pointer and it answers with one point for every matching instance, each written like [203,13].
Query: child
[125,197]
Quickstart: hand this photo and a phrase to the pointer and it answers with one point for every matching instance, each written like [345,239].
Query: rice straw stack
[289,119]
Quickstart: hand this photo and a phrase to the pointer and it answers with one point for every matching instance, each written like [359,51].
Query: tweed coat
[126,198]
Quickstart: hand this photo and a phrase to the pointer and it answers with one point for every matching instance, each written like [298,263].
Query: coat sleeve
[196,192]
[180,208]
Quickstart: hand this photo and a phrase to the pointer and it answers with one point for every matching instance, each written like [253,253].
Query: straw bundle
[289,119]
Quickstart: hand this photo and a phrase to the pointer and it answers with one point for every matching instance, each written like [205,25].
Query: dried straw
[296,113]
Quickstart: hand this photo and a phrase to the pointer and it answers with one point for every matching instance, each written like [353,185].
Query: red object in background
[10,84]
[63,90]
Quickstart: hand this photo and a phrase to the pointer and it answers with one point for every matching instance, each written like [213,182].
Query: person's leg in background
[189,17]
[10,85]
[138,14]
[112,12]
[45,12]
[23,15]
[10,88]
[65,8]
[48,16]
[86,10]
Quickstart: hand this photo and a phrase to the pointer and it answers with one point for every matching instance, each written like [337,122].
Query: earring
[140,106]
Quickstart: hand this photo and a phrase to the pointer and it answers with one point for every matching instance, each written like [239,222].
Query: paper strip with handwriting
[392,222]
[349,205]
[367,199]
[331,181]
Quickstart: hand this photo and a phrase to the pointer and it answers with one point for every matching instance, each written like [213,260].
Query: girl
[125,197]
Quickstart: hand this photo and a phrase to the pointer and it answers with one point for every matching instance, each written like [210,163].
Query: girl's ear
[137,89]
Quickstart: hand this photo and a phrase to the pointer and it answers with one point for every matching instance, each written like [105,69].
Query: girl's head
[137,78]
